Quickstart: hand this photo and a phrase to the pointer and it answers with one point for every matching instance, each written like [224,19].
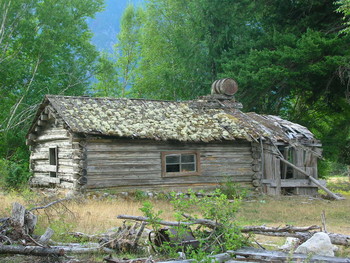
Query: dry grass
[95,216]
[298,211]
[99,215]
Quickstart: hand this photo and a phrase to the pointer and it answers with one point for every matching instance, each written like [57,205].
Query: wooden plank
[109,182]
[147,177]
[44,117]
[138,161]
[124,168]
[40,156]
[278,256]
[277,175]
[61,143]
[44,168]
[289,183]
[51,137]
[132,146]
[48,179]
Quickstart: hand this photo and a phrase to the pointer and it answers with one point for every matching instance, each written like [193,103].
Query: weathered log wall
[53,133]
[137,163]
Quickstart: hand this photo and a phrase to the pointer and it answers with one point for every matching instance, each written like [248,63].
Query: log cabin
[89,143]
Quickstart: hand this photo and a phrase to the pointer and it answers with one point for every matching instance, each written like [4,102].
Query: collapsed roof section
[188,121]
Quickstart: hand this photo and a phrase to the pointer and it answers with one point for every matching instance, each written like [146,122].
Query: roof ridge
[112,98]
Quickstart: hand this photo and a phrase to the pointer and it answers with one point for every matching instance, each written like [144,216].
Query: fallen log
[249,254]
[287,228]
[54,250]
[336,239]
[303,233]
[30,250]
[209,223]
[277,256]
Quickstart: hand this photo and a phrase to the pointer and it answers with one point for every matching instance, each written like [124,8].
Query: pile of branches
[17,237]
[302,233]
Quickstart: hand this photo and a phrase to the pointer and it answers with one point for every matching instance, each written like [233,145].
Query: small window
[180,163]
[53,160]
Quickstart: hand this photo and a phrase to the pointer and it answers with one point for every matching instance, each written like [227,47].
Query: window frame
[53,158]
[178,174]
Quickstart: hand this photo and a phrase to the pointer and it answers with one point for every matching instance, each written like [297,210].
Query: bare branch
[50,204]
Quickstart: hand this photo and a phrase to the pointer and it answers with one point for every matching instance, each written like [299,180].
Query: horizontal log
[302,233]
[286,228]
[153,146]
[206,222]
[125,169]
[148,184]
[260,255]
[291,183]
[46,179]
[53,250]
[128,161]
[46,144]
[44,168]
[53,138]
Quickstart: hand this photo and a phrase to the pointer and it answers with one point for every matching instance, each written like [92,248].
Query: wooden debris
[45,238]
[253,255]
[287,228]
[209,223]
[136,260]
[30,250]
[16,236]
[277,256]
[316,182]
[53,250]
[125,238]
[303,233]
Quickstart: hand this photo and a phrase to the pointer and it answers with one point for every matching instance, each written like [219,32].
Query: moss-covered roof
[168,120]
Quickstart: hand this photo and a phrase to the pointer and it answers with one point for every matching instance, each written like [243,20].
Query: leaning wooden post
[316,182]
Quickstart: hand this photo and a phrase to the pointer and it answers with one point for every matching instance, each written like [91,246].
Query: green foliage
[148,210]
[44,48]
[13,175]
[342,185]
[140,195]
[169,49]
[288,56]
[297,67]
[232,189]
[344,8]
[216,208]
[117,72]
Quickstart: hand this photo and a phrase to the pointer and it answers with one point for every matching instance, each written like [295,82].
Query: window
[53,160]
[180,163]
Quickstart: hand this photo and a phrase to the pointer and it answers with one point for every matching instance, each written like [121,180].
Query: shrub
[12,174]
[188,207]
[232,189]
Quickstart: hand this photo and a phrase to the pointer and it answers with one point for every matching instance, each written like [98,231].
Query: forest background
[290,57]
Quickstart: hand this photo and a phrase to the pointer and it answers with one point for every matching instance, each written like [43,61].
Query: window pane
[189,167]
[173,159]
[187,158]
[171,168]
[52,156]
